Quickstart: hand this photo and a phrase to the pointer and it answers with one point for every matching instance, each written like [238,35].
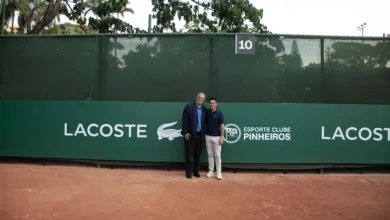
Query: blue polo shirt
[199,109]
[214,120]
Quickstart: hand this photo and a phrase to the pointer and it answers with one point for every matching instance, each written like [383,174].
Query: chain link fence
[284,69]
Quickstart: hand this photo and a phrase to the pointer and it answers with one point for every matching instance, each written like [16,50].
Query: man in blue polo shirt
[214,137]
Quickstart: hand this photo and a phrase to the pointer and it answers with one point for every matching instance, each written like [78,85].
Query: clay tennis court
[79,192]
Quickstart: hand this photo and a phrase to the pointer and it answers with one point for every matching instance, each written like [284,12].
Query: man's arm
[184,121]
[222,128]
[205,115]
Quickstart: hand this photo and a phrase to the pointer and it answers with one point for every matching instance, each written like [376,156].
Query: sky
[308,17]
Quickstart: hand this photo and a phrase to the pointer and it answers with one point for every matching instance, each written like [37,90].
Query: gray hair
[201,93]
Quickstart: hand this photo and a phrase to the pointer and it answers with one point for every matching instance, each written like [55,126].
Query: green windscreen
[174,68]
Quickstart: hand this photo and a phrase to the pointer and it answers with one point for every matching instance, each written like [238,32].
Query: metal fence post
[213,82]
[150,24]
[323,85]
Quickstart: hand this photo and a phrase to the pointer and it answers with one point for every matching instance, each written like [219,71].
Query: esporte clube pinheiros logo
[233,133]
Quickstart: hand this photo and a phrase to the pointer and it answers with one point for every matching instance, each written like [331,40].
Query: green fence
[284,69]
[297,99]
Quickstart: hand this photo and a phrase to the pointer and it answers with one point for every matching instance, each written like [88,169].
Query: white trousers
[213,150]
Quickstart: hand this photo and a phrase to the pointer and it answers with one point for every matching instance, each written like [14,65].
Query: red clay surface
[73,192]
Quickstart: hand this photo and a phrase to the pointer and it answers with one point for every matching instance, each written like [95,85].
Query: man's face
[213,104]
[200,99]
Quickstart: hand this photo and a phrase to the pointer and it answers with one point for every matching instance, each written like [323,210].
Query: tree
[358,72]
[34,15]
[66,28]
[50,13]
[103,20]
[9,10]
[227,16]
[294,59]
[37,15]
[359,54]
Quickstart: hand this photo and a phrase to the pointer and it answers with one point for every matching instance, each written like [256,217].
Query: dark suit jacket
[190,119]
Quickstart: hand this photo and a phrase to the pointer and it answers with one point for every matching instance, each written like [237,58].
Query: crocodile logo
[168,133]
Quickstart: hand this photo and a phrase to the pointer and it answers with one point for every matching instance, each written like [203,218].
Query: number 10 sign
[245,44]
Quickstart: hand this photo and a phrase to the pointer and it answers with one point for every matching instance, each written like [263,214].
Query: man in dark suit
[193,130]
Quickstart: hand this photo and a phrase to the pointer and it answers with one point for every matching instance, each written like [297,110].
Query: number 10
[248,45]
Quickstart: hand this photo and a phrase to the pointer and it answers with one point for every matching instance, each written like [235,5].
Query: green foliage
[66,28]
[294,59]
[228,16]
[358,71]
[112,25]
[10,7]
[32,20]
[106,8]
[105,16]
[359,54]
[103,20]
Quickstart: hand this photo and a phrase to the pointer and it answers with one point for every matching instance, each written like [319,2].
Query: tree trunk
[28,25]
[51,13]
[21,22]
[12,26]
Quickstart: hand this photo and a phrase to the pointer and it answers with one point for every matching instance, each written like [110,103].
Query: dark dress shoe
[197,175]
[189,176]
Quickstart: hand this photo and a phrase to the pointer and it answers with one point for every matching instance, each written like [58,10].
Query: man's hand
[187,137]
[220,140]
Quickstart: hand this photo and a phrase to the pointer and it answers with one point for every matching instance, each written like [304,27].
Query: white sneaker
[210,174]
[219,176]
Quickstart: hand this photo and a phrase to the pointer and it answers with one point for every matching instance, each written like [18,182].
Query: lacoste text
[107,130]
